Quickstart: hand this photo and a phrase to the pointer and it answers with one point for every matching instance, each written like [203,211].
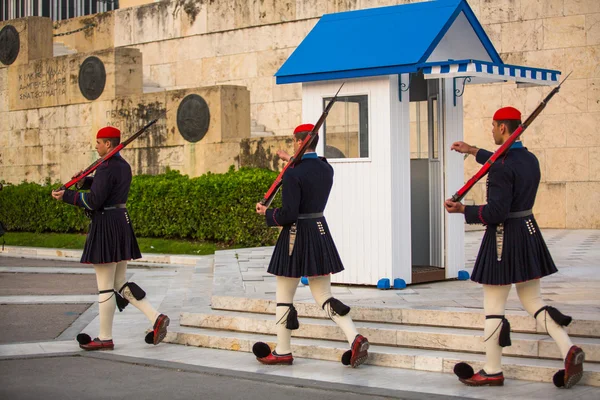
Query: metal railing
[55,9]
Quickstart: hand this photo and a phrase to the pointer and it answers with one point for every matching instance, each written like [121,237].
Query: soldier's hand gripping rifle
[270,195]
[458,196]
[114,151]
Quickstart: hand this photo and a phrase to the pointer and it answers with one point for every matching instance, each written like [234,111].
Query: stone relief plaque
[9,44]
[193,118]
[92,78]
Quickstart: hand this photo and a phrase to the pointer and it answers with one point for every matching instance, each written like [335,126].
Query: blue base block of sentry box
[304,280]
[383,283]
[399,283]
[463,275]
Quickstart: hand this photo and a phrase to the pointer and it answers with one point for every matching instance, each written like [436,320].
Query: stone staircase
[411,338]
[258,130]
[60,49]
[151,87]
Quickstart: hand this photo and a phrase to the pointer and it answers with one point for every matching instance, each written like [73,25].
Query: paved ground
[98,377]
[34,322]
[175,288]
[46,284]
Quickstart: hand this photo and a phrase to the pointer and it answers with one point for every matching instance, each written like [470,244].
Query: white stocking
[320,287]
[105,276]
[531,298]
[494,303]
[286,289]
[142,305]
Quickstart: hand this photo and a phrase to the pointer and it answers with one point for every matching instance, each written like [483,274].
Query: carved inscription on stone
[46,81]
[193,118]
[130,119]
[92,78]
[147,154]
[9,44]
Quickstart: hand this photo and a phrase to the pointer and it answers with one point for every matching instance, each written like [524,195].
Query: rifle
[458,196]
[270,195]
[114,151]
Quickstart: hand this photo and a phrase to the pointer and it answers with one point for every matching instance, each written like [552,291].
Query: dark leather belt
[114,207]
[310,216]
[520,214]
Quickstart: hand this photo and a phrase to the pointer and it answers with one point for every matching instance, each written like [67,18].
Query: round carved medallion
[92,78]
[9,45]
[193,118]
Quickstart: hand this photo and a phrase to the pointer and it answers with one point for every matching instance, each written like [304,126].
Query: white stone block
[522,36]
[499,11]
[563,32]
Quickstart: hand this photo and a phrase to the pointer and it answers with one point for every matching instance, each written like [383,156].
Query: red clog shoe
[467,375]
[357,354]
[264,355]
[483,379]
[160,328]
[98,344]
[276,359]
[573,366]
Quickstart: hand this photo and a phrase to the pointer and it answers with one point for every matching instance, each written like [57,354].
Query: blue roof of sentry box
[377,41]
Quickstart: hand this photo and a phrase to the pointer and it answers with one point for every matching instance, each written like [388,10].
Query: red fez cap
[304,128]
[507,113]
[108,132]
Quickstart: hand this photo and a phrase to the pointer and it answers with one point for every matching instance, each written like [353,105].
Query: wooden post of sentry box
[24,40]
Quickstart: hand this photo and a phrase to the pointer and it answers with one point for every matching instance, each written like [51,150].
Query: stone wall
[556,34]
[50,113]
[195,43]
[246,42]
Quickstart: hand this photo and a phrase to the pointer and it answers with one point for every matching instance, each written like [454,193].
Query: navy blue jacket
[109,186]
[305,190]
[513,181]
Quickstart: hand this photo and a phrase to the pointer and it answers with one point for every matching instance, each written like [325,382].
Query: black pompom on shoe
[463,370]
[149,337]
[346,357]
[84,338]
[559,378]
[261,349]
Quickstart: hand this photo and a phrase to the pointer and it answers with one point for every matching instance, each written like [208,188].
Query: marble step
[257,130]
[427,337]
[61,49]
[386,356]
[467,318]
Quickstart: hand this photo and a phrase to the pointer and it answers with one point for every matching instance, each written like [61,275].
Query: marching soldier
[305,248]
[111,243]
[512,251]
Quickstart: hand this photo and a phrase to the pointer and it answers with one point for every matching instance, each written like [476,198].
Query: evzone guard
[305,248]
[111,242]
[512,251]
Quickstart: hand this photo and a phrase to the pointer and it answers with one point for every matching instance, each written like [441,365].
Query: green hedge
[215,207]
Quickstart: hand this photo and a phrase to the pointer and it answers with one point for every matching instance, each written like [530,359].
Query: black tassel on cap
[504,338]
